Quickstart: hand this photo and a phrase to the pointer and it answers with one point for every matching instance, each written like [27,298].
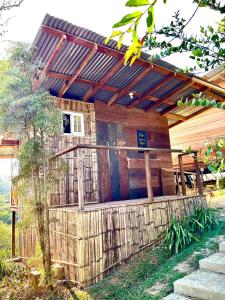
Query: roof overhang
[8,148]
[76,64]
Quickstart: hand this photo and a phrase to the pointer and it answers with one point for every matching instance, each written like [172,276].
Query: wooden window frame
[72,114]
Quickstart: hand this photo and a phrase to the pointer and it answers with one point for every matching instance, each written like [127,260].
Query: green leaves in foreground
[182,233]
[201,101]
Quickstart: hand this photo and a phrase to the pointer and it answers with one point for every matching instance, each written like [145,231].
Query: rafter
[171,107]
[213,95]
[183,86]
[176,117]
[104,80]
[81,67]
[51,58]
[115,98]
[103,49]
[209,85]
[151,90]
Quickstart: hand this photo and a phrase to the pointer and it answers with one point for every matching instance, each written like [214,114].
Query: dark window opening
[66,123]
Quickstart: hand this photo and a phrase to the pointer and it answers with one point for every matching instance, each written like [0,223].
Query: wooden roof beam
[55,51]
[104,49]
[179,89]
[116,97]
[175,116]
[93,83]
[81,67]
[104,80]
[213,95]
[209,85]
[171,107]
[151,90]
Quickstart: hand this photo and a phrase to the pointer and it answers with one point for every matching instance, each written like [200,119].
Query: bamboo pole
[13,238]
[148,176]
[80,178]
[182,175]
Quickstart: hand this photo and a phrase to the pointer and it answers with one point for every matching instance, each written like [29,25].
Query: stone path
[208,283]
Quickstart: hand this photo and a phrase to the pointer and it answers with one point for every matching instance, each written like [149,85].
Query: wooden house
[120,192]
[208,125]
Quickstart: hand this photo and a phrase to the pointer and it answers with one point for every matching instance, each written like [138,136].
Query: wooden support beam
[151,90]
[183,187]
[92,83]
[209,85]
[198,176]
[80,68]
[176,117]
[104,49]
[215,96]
[13,235]
[51,58]
[80,178]
[148,176]
[181,87]
[115,98]
[104,80]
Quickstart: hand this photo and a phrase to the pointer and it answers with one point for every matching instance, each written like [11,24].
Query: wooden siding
[117,126]
[195,132]
[66,191]
[90,243]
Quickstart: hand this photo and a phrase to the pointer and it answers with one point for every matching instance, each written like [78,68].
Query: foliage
[183,232]
[151,269]
[32,117]
[214,155]
[206,47]
[200,101]
[204,219]
[221,184]
[5,215]
[178,235]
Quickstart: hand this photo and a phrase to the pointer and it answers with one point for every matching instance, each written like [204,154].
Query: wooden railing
[147,166]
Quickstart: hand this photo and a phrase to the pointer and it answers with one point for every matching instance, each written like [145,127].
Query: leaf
[135,3]
[114,33]
[128,19]
[197,52]
[120,41]
[150,19]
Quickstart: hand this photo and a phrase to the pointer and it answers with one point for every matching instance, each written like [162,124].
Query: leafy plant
[204,219]
[178,235]
[182,233]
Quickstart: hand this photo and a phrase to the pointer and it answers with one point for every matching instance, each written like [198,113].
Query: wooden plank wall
[117,126]
[90,243]
[66,192]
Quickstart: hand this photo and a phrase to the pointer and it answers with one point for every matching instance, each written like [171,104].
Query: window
[73,123]
[142,138]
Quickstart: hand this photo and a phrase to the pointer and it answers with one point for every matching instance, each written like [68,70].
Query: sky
[96,15]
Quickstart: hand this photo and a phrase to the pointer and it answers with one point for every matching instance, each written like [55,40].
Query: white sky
[96,15]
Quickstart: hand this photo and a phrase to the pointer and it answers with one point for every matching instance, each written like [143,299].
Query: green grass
[155,267]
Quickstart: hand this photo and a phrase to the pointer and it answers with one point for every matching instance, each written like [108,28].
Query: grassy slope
[155,268]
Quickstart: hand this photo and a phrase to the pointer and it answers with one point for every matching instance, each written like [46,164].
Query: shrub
[221,183]
[184,232]
[178,235]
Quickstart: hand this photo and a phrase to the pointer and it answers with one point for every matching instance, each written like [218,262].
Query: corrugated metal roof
[71,55]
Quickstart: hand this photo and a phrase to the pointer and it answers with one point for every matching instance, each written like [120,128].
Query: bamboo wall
[90,243]
[65,192]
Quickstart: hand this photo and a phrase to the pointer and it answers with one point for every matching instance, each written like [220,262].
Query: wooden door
[112,165]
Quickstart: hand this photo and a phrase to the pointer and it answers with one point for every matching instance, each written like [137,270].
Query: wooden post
[80,178]
[13,237]
[198,177]
[148,176]
[177,182]
[183,187]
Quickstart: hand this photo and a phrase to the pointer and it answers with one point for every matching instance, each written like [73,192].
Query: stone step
[175,296]
[202,284]
[222,247]
[214,263]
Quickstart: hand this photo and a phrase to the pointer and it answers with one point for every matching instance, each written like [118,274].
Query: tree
[206,47]
[6,5]
[31,116]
